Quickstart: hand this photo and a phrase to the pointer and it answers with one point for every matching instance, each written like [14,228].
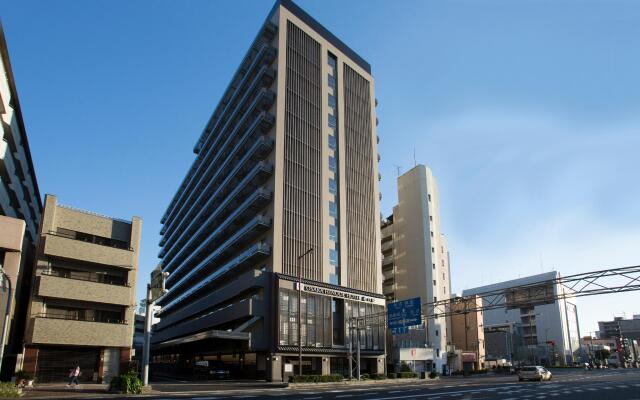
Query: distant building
[502,341]
[466,333]
[550,332]
[415,263]
[20,199]
[83,300]
[629,328]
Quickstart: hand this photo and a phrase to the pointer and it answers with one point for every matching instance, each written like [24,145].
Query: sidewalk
[60,390]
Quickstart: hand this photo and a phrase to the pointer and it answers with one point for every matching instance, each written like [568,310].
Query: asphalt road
[566,384]
[575,384]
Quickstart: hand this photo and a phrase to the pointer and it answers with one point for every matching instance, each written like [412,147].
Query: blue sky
[527,112]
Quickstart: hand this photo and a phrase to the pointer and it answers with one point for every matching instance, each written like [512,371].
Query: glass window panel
[333,233]
[333,164]
[332,141]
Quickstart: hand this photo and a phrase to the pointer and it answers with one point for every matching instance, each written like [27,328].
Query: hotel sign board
[403,314]
[341,294]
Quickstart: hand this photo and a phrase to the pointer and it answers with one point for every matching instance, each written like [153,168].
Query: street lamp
[300,257]
[5,278]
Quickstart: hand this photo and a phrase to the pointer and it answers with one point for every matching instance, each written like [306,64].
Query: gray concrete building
[19,199]
[287,164]
[83,299]
[620,326]
[415,263]
[549,330]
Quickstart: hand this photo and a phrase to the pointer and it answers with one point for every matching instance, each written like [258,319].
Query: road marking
[344,395]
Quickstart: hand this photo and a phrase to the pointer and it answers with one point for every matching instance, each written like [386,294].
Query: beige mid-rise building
[83,298]
[415,263]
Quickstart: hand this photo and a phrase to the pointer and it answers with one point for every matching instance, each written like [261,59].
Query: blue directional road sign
[405,313]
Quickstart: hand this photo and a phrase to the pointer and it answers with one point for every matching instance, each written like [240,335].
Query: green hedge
[392,375]
[315,378]
[128,383]
[407,375]
[8,390]
[433,375]
[377,377]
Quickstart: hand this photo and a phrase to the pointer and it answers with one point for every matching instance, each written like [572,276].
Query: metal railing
[98,278]
[70,317]
[73,237]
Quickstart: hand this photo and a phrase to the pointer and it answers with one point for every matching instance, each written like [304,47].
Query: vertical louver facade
[284,181]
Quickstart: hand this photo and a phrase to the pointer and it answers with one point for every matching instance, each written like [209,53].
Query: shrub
[433,375]
[9,390]
[128,383]
[378,377]
[404,367]
[392,375]
[407,375]
[22,374]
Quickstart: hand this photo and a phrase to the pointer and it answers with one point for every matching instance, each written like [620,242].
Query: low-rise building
[83,299]
[466,332]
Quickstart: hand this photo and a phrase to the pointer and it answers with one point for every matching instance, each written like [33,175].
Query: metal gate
[54,363]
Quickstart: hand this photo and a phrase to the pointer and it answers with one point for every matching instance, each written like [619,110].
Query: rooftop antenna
[398,169]
[415,163]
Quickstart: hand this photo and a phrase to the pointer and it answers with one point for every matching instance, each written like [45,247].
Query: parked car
[534,373]
[218,370]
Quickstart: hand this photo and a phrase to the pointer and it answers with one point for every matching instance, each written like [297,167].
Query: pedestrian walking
[73,376]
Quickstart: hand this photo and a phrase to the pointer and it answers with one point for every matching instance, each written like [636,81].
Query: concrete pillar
[274,370]
[380,365]
[326,365]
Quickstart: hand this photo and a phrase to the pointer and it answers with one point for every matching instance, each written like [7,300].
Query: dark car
[218,370]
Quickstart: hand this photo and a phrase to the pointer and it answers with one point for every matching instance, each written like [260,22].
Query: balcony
[60,246]
[55,331]
[216,187]
[388,260]
[241,310]
[210,251]
[388,245]
[53,286]
[245,259]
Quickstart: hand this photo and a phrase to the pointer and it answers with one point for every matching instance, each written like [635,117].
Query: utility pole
[300,257]
[5,278]
[147,336]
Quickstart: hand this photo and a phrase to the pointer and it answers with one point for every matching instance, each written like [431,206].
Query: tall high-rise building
[285,181]
[19,199]
[416,264]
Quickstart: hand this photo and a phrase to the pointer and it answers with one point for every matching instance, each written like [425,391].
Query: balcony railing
[92,277]
[88,238]
[72,317]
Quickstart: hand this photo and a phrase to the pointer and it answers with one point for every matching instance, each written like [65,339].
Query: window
[337,310]
[333,257]
[433,250]
[435,298]
[434,282]
[332,121]
[430,218]
[331,60]
[333,209]
[333,164]
[332,101]
[443,275]
[434,265]
[333,186]
[332,81]
[332,142]
[429,196]
[431,233]
[436,332]
[333,233]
